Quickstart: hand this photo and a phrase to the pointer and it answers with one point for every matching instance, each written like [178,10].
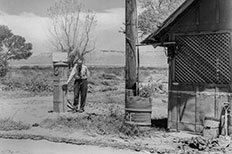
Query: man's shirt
[83,74]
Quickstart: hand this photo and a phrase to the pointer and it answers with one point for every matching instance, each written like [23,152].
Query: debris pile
[110,76]
[150,88]
[201,144]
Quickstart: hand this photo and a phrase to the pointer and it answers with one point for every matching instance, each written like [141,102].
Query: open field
[25,111]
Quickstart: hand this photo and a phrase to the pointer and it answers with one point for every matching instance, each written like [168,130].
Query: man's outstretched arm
[73,72]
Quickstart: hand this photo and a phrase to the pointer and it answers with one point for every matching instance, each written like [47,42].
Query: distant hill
[43,59]
[117,58]
[98,58]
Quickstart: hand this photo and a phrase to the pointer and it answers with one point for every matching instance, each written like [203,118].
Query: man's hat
[78,60]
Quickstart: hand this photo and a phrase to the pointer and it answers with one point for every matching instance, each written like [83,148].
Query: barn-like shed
[198,41]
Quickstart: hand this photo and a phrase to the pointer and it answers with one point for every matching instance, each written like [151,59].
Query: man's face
[79,62]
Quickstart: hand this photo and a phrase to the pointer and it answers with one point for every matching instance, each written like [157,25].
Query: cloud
[109,24]
[35,29]
[113,17]
[30,26]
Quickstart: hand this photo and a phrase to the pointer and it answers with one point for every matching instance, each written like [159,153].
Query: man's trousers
[80,89]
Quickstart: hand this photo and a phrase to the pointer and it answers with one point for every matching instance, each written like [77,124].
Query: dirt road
[8,146]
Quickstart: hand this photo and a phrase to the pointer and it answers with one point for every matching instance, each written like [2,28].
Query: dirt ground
[44,147]
[33,110]
[101,125]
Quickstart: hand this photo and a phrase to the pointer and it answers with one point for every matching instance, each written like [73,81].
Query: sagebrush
[7,124]
[32,80]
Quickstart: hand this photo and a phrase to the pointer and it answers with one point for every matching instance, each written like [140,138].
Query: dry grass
[39,80]
[110,123]
[33,80]
[7,124]
[107,88]
[111,120]
[100,124]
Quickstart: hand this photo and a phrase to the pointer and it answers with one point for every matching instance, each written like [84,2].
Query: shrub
[36,81]
[108,123]
[130,130]
[27,84]
[3,68]
[8,124]
[146,91]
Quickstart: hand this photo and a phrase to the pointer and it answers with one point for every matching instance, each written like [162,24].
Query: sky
[29,19]
[39,7]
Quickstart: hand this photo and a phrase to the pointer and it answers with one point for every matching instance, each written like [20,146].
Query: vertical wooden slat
[170,75]
[216,102]
[217,12]
[178,107]
[177,112]
[197,93]
[230,85]
[197,15]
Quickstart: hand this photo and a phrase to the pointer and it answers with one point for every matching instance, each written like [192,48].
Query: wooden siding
[204,16]
[190,103]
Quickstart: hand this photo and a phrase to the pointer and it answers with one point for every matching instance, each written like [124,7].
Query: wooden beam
[131,41]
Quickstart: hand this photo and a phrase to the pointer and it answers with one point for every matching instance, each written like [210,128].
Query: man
[80,73]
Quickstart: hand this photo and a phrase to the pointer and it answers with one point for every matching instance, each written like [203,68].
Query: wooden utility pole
[131,40]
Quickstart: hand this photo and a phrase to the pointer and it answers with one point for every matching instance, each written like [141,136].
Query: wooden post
[131,39]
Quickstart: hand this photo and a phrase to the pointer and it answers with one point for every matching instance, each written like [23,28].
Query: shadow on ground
[160,123]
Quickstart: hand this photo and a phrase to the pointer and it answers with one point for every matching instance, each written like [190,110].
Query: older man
[80,73]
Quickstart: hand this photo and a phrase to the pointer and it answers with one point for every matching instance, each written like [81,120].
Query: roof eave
[155,36]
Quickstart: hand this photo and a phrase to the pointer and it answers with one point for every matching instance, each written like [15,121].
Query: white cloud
[112,18]
[35,29]
[109,24]
[30,26]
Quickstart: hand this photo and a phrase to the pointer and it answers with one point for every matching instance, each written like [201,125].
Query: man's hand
[65,87]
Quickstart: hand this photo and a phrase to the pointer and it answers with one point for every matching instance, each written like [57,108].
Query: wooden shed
[197,37]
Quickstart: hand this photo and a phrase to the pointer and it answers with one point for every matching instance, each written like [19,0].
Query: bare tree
[154,12]
[72,28]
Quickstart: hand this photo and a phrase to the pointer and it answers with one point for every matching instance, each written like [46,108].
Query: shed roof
[152,38]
